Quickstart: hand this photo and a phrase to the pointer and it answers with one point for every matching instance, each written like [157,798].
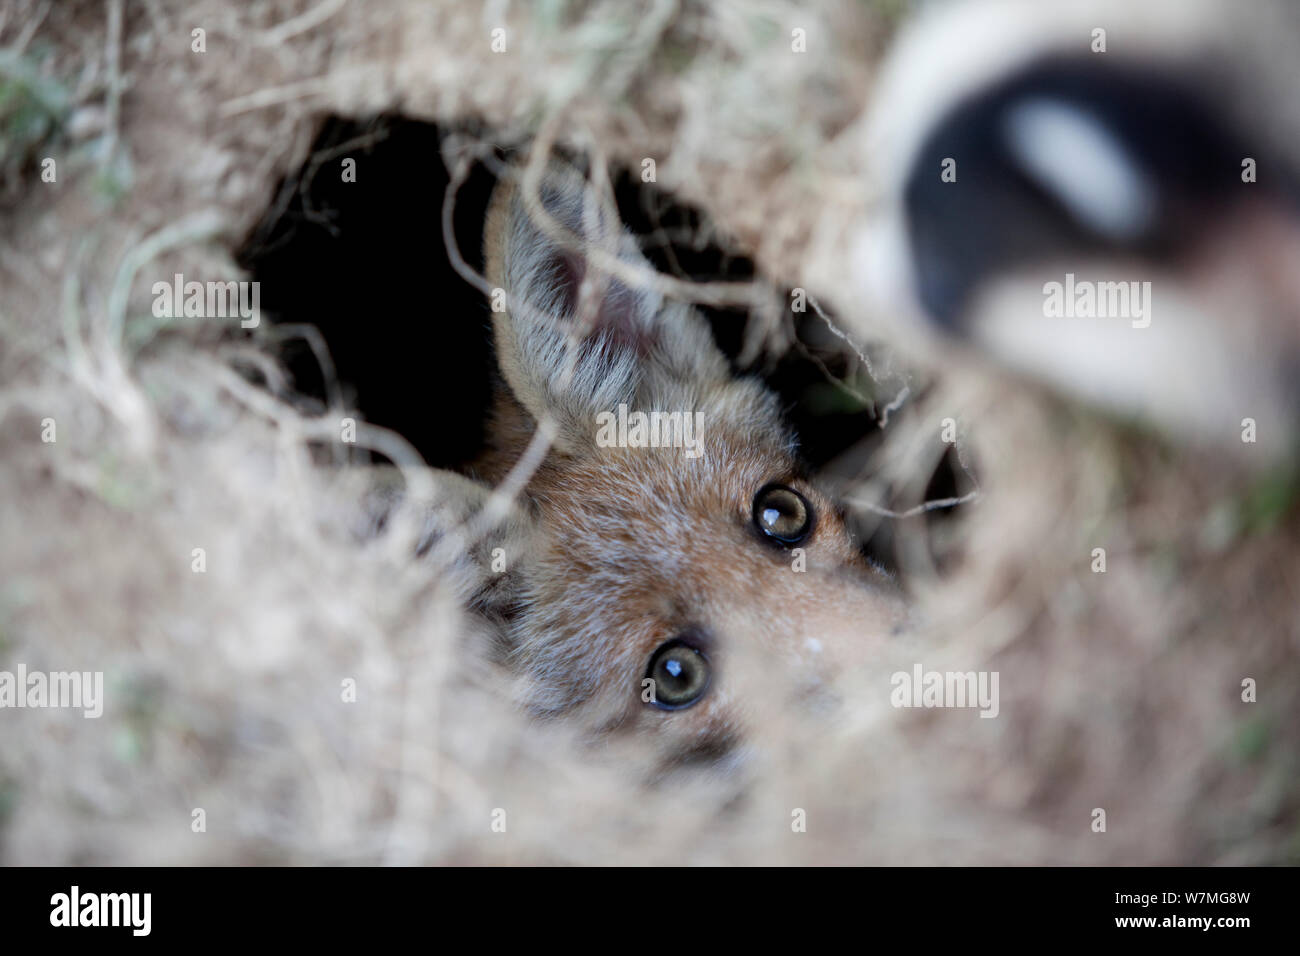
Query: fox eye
[680,673]
[782,514]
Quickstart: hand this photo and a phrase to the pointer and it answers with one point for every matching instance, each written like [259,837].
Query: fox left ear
[574,339]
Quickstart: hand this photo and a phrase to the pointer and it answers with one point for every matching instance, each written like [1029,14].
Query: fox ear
[575,340]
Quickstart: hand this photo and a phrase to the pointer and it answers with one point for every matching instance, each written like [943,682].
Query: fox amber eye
[680,674]
[783,514]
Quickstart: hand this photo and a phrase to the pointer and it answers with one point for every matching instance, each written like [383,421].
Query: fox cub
[673,569]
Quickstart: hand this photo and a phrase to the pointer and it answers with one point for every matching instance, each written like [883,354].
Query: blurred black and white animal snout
[1115,213]
[1068,161]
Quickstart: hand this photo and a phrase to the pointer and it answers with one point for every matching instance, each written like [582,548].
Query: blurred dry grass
[1119,691]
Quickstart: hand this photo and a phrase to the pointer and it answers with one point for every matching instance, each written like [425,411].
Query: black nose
[1064,158]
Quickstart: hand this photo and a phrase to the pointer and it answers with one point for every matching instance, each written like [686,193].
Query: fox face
[663,587]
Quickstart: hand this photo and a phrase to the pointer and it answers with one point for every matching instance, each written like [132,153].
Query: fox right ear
[575,340]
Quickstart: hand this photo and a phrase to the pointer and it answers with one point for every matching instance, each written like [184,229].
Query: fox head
[668,589]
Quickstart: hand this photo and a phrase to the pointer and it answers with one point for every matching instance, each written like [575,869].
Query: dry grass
[1119,690]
